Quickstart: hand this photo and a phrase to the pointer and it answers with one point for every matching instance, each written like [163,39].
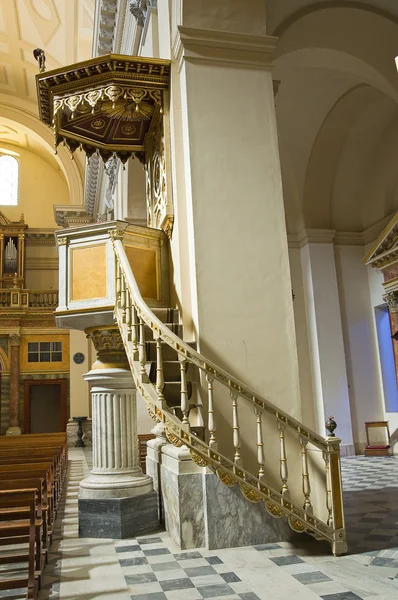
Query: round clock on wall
[78,358]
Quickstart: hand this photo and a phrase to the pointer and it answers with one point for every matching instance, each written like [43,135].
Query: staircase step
[166,315]
[172,392]
[174,327]
[168,353]
[171,370]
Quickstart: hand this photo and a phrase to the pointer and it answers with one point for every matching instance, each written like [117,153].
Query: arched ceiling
[63,29]
[337,111]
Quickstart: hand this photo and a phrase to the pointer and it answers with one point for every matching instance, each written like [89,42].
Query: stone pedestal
[179,481]
[200,511]
[71,431]
[15,344]
[116,499]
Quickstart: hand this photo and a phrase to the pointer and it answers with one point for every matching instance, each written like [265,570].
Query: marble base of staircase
[181,494]
[199,511]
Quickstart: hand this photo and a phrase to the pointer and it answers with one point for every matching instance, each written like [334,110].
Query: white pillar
[325,334]
[116,471]
[234,244]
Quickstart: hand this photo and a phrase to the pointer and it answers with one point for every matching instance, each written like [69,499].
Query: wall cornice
[338,238]
[223,48]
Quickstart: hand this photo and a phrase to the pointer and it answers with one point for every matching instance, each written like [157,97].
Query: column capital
[109,346]
[15,339]
[140,9]
[392,300]
[223,48]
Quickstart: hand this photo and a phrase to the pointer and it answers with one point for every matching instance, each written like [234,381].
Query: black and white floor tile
[152,568]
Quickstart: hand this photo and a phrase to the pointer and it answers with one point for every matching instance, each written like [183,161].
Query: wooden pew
[20,507]
[30,464]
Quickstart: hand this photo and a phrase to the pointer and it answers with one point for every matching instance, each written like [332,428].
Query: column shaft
[14,428]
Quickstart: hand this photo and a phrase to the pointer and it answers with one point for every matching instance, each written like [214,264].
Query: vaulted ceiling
[64,29]
[337,111]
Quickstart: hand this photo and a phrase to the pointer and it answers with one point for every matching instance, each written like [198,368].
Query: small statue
[39,55]
[15,281]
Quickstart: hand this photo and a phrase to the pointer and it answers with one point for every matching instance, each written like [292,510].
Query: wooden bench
[32,472]
[19,524]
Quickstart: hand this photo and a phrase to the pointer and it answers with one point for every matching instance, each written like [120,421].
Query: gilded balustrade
[132,315]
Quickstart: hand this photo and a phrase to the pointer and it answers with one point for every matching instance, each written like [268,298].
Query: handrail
[132,313]
[207,365]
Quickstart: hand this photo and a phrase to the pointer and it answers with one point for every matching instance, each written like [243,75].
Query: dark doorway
[45,405]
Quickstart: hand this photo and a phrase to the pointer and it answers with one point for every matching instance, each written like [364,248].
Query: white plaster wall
[80,404]
[360,341]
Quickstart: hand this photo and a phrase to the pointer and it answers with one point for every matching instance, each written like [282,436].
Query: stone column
[15,345]
[325,335]
[116,500]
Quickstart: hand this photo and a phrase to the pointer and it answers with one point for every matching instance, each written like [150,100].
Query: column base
[119,485]
[13,431]
[118,518]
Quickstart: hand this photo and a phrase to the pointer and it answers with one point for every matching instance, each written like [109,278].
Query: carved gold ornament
[199,460]
[173,439]
[296,524]
[250,494]
[226,478]
[273,509]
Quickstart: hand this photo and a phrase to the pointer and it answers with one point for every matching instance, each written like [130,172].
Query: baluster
[306,477]
[328,489]
[184,389]
[260,444]
[159,370]
[118,282]
[235,428]
[134,332]
[128,314]
[142,349]
[283,459]
[211,419]
[123,299]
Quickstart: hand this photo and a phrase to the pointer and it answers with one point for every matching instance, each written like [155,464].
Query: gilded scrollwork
[296,524]
[226,478]
[159,207]
[198,459]
[250,494]
[173,439]
[273,509]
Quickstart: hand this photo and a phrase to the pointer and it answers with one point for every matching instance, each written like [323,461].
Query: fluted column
[116,471]
[15,344]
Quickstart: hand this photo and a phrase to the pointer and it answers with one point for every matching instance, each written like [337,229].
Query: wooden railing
[29,300]
[322,518]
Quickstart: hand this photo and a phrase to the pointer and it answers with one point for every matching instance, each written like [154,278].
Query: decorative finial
[331,426]
[40,56]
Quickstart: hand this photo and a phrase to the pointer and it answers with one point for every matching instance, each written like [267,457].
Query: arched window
[8,180]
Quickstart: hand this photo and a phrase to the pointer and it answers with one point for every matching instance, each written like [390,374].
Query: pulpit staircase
[159,361]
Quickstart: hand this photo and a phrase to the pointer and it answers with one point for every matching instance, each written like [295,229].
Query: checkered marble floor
[152,568]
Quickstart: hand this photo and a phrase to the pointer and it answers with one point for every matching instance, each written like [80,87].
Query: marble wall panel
[233,521]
